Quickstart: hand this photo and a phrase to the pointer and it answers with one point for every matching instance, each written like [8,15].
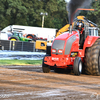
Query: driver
[80,27]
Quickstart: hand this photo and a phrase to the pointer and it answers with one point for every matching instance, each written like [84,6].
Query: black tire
[29,40]
[77,68]
[57,70]
[33,37]
[14,38]
[45,67]
[92,59]
[48,49]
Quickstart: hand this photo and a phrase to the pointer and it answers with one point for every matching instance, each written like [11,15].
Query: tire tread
[91,59]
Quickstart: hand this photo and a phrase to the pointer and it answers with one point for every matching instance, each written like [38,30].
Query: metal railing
[17,45]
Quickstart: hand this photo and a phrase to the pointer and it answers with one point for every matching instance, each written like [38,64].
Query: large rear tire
[33,37]
[92,59]
[45,67]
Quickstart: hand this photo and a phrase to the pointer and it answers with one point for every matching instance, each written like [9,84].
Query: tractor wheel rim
[80,67]
[30,37]
[13,39]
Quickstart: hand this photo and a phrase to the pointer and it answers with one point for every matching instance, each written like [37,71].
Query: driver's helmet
[80,25]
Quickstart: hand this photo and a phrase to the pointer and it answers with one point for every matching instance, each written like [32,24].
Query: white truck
[4,36]
[43,33]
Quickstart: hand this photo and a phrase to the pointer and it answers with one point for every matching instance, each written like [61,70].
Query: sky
[67,0]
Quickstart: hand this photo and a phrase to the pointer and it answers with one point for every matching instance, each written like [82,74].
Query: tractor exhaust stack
[70,29]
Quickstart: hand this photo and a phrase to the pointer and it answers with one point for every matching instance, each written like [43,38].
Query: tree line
[27,12]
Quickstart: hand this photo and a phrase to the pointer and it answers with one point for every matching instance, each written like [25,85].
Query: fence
[17,45]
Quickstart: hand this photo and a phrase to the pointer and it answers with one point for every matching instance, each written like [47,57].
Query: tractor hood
[66,35]
[25,39]
[63,43]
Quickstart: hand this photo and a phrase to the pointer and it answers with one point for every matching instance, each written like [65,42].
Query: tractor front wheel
[45,67]
[13,39]
[77,66]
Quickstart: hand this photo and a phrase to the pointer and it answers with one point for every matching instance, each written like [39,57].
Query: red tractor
[77,49]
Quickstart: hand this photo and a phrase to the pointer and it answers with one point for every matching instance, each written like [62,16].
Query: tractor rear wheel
[45,67]
[92,59]
[77,66]
[30,36]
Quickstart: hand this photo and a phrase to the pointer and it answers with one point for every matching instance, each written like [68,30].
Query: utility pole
[43,14]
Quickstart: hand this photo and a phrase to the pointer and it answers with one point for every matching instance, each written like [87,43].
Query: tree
[57,13]
[27,12]
[13,12]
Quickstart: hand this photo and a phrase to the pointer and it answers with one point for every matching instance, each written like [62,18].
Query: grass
[20,62]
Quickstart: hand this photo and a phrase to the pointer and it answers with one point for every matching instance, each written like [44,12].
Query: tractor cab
[18,34]
[84,25]
[93,31]
[85,28]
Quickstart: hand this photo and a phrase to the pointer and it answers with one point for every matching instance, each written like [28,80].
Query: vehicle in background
[35,33]
[41,36]
[40,45]
[18,36]
[62,30]
[5,36]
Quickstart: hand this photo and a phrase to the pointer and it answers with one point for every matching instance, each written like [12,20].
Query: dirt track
[30,83]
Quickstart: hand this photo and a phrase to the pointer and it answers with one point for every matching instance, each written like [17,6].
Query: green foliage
[27,12]
[93,15]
